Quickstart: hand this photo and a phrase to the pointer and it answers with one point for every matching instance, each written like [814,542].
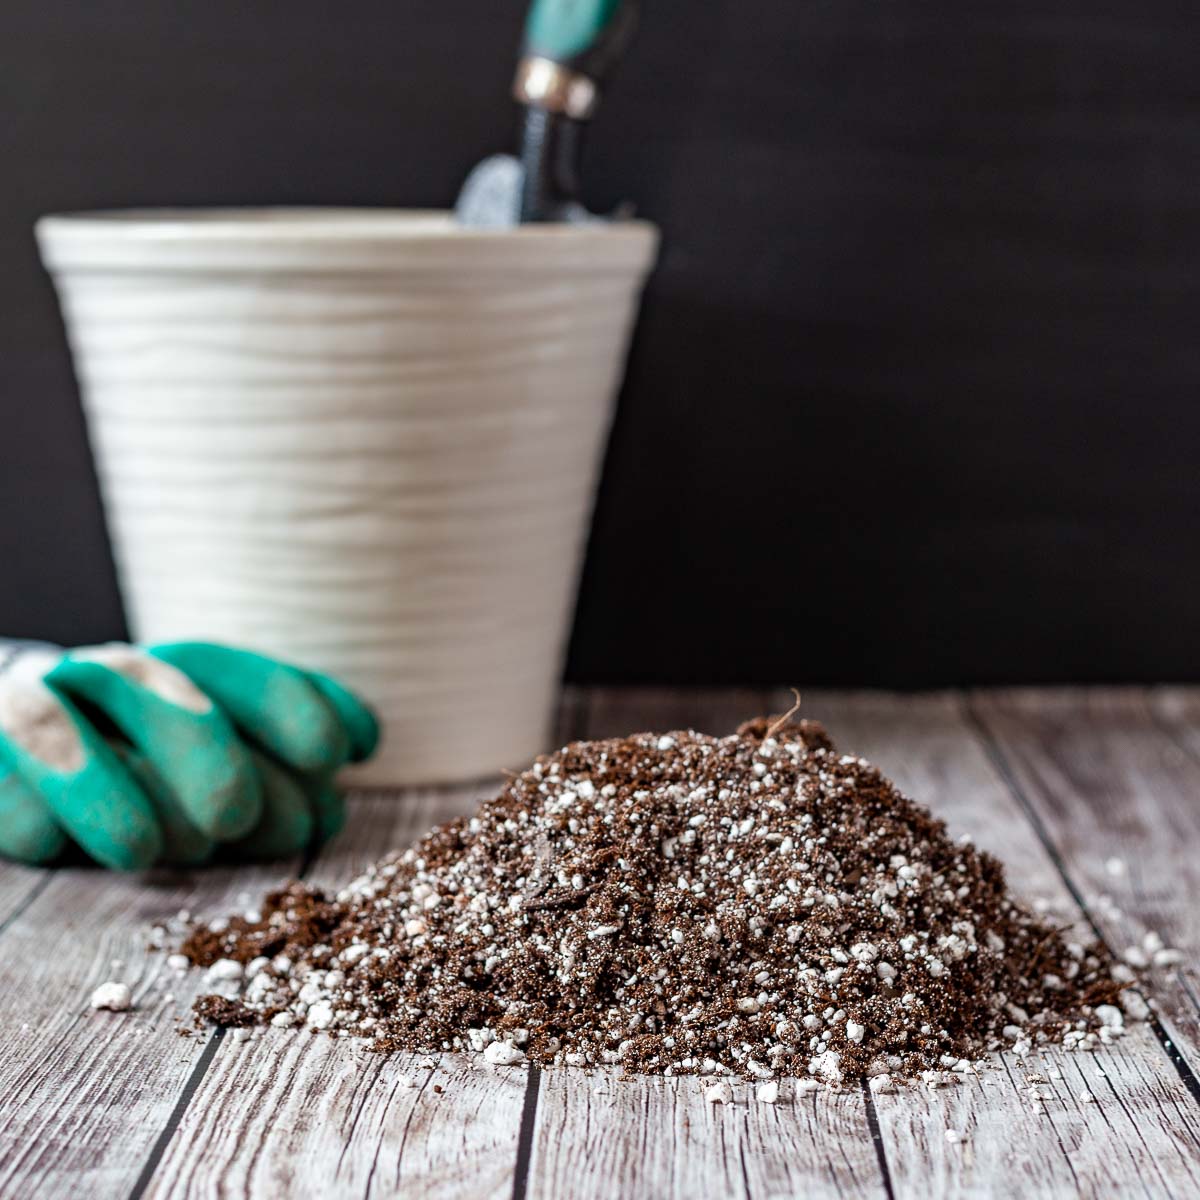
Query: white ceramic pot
[364,440]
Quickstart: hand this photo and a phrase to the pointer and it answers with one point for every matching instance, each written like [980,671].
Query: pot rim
[318,238]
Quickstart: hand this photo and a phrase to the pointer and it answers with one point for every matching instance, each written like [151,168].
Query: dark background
[916,394]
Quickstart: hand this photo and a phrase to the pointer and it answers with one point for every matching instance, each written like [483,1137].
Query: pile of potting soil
[757,905]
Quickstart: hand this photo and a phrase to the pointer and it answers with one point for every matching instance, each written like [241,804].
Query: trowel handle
[569,47]
[584,36]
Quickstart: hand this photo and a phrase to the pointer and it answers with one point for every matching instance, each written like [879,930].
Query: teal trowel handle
[569,47]
[584,36]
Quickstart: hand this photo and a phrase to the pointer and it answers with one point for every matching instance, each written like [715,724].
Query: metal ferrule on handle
[548,85]
[570,48]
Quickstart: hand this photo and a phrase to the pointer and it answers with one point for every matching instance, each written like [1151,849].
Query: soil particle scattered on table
[116,997]
[758,905]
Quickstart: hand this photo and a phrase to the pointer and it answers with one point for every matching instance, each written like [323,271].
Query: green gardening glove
[169,753]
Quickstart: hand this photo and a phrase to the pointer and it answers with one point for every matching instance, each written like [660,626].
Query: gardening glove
[125,752]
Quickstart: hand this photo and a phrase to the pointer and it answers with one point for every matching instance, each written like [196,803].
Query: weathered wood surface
[19,885]
[84,1095]
[1057,783]
[1141,1123]
[291,1113]
[288,1113]
[658,1137]
[598,1137]
[1112,780]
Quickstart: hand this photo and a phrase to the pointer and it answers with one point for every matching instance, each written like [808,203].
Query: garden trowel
[569,48]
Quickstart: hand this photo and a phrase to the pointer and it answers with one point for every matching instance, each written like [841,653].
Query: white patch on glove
[163,680]
[32,716]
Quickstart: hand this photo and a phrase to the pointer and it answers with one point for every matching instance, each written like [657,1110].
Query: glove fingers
[59,756]
[177,728]
[273,703]
[286,826]
[28,831]
[184,845]
[357,719]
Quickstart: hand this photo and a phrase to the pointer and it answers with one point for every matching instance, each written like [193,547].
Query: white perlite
[751,906]
[1135,1005]
[827,1066]
[116,997]
[321,1015]
[503,1054]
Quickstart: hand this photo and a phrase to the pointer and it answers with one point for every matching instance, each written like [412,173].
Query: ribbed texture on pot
[387,474]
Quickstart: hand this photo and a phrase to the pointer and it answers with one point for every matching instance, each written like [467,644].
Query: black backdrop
[916,394]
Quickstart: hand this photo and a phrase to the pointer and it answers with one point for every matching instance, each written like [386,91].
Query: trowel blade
[491,196]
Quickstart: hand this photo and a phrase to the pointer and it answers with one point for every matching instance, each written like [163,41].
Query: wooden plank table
[1092,798]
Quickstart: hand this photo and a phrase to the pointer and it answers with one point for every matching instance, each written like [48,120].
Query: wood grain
[101,1105]
[83,1094]
[1141,1125]
[19,885]
[1113,783]
[597,1136]
[293,1113]
[296,1114]
[617,712]
[346,1115]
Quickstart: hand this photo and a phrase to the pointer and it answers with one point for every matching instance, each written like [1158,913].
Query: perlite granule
[757,905]
[116,997]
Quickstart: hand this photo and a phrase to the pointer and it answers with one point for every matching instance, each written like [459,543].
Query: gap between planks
[688,1150]
[1145,1127]
[298,1114]
[83,1094]
[598,1136]
[1109,780]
